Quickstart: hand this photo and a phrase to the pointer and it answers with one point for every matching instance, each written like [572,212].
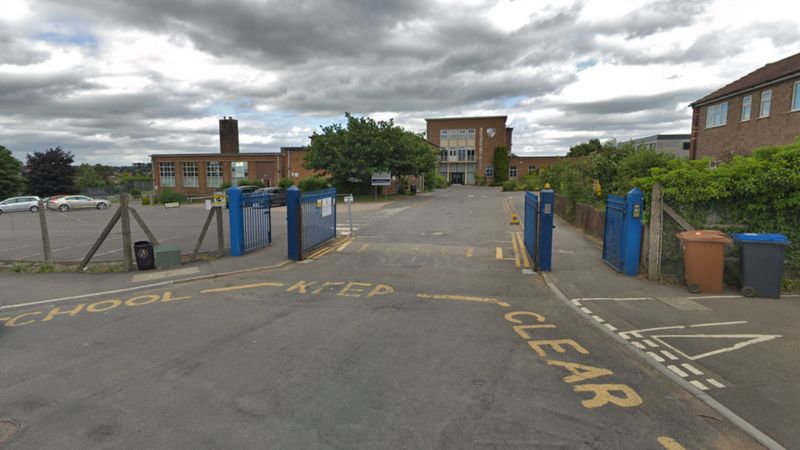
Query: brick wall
[484,143]
[739,137]
[522,163]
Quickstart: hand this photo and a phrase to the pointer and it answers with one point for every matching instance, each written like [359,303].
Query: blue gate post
[544,252]
[632,232]
[293,222]
[531,220]
[236,221]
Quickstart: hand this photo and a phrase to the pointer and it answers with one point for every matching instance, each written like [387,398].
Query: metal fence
[317,218]
[531,220]
[257,220]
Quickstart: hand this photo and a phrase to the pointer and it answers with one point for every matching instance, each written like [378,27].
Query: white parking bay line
[691,368]
[586,310]
[699,385]
[610,327]
[678,371]
[598,318]
[638,345]
[715,383]
[656,357]
[669,355]
[650,343]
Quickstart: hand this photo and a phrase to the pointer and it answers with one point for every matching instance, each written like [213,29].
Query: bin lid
[763,238]
[705,236]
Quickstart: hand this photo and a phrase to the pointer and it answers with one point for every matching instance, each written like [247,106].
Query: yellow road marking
[669,443]
[516,250]
[464,298]
[498,253]
[243,286]
[469,252]
[363,247]
[344,246]
[525,261]
[323,253]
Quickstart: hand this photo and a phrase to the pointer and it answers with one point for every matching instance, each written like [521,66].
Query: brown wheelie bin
[704,259]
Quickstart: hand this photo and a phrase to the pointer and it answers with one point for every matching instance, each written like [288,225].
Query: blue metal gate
[531,225]
[257,220]
[613,244]
[317,218]
[539,228]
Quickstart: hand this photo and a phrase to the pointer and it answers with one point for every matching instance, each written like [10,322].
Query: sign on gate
[326,207]
[219,199]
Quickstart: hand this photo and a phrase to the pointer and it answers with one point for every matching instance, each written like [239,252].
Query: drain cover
[8,429]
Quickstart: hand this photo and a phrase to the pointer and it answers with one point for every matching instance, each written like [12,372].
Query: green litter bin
[761,263]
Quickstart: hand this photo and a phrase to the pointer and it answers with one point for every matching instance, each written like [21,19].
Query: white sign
[208,205]
[172,205]
[348,198]
[381,179]
[491,132]
[326,207]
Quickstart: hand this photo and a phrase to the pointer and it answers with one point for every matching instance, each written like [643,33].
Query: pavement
[427,329]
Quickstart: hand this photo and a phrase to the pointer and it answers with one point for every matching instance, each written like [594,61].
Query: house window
[796,96]
[531,170]
[512,172]
[166,171]
[470,154]
[489,171]
[238,172]
[766,103]
[717,115]
[747,104]
[190,174]
[214,174]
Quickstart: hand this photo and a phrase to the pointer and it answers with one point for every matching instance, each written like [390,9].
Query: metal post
[293,222]
[350,216]
[127,245]
[236,217]
[632,232]
[544,252]
[45,232]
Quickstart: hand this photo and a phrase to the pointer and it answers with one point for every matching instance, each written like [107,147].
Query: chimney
[228,135]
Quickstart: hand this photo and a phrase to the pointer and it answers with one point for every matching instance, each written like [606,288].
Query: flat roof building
[675,144]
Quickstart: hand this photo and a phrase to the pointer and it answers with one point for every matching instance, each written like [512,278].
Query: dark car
[277,195]
[243,189]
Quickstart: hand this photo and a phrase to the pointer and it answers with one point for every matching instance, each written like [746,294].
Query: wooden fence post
[656,228]
[45,232]
[127,244]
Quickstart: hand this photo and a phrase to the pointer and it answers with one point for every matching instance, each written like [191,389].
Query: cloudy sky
[116,80]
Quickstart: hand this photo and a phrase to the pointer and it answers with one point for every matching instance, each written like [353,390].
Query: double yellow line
[520,252]
[329,248]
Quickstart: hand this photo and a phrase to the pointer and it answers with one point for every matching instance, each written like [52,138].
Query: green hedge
[314,183]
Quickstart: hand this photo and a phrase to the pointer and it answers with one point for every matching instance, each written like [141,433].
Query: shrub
[480,181]
[500,164]
[135,193]
[286,183]
[314,183]
[170,196]
[145,200]
[250,183]
[513,185]
[225,185]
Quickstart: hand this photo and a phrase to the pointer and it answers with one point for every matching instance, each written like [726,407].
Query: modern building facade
[466,148]
[675,144]
[760,109]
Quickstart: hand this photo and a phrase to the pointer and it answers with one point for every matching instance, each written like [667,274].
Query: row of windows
[190,172]
[457,133]
[717,115]
[457,154]
[512,171]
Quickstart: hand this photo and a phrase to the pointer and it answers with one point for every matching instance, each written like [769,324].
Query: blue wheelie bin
[761,263]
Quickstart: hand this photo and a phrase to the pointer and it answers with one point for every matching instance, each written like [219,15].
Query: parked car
[277,195]
[243,189]
[68,202]
[27,203]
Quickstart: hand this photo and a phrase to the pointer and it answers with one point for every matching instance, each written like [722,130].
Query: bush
[250,183]
[145,200]
[286,183]
[480,181]
[500,164]
[169,196]
[225,185]
[513,185]
[314,183]
[135,193]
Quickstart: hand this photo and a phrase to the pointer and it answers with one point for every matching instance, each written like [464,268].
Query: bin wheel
[749,291]
[693,288]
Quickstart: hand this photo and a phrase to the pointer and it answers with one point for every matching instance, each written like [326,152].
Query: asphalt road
[422,332]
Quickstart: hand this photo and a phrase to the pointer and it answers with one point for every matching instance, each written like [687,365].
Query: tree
[10,174]
[585,148]
[87,176]
[500,164]
[50,172]
[351,155]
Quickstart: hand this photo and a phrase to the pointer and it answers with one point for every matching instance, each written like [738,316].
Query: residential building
[466,148]
[760,109]
[676,144]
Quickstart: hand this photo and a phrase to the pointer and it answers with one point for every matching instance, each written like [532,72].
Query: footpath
[739,355]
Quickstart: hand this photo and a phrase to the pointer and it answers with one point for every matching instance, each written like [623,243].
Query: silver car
[68,202]
[29,203]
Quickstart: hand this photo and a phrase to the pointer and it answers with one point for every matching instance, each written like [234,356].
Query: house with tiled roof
[760,109]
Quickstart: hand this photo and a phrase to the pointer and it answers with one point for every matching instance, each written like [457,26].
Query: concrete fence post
[236,222]
[656,229]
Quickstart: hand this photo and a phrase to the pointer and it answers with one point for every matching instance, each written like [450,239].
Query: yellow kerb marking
[242,286]
[344,246]
[469,252]
[464,298]
[669,443]
[516,250]
[525,261]
[498,253]
[363,247]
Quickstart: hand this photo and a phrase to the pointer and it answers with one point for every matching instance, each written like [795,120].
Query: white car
[68,202]
[28,203]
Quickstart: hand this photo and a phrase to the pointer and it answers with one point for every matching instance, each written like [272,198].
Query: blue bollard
[236,216]
[545,246]
[293,222]
[632,232]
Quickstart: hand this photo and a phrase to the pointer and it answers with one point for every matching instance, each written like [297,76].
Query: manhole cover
[8,429]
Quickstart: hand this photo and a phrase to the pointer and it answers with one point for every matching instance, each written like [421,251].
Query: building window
[766,103]
[717,115]
[166,171]
[238,172]
[214,174]
[489,171]
[470,154]
[531,170]
[442,134]
[747,104]
[512,172]
[443,155]
[462,154]
[190,174]
[443,170]
[796,96]
[686,146]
